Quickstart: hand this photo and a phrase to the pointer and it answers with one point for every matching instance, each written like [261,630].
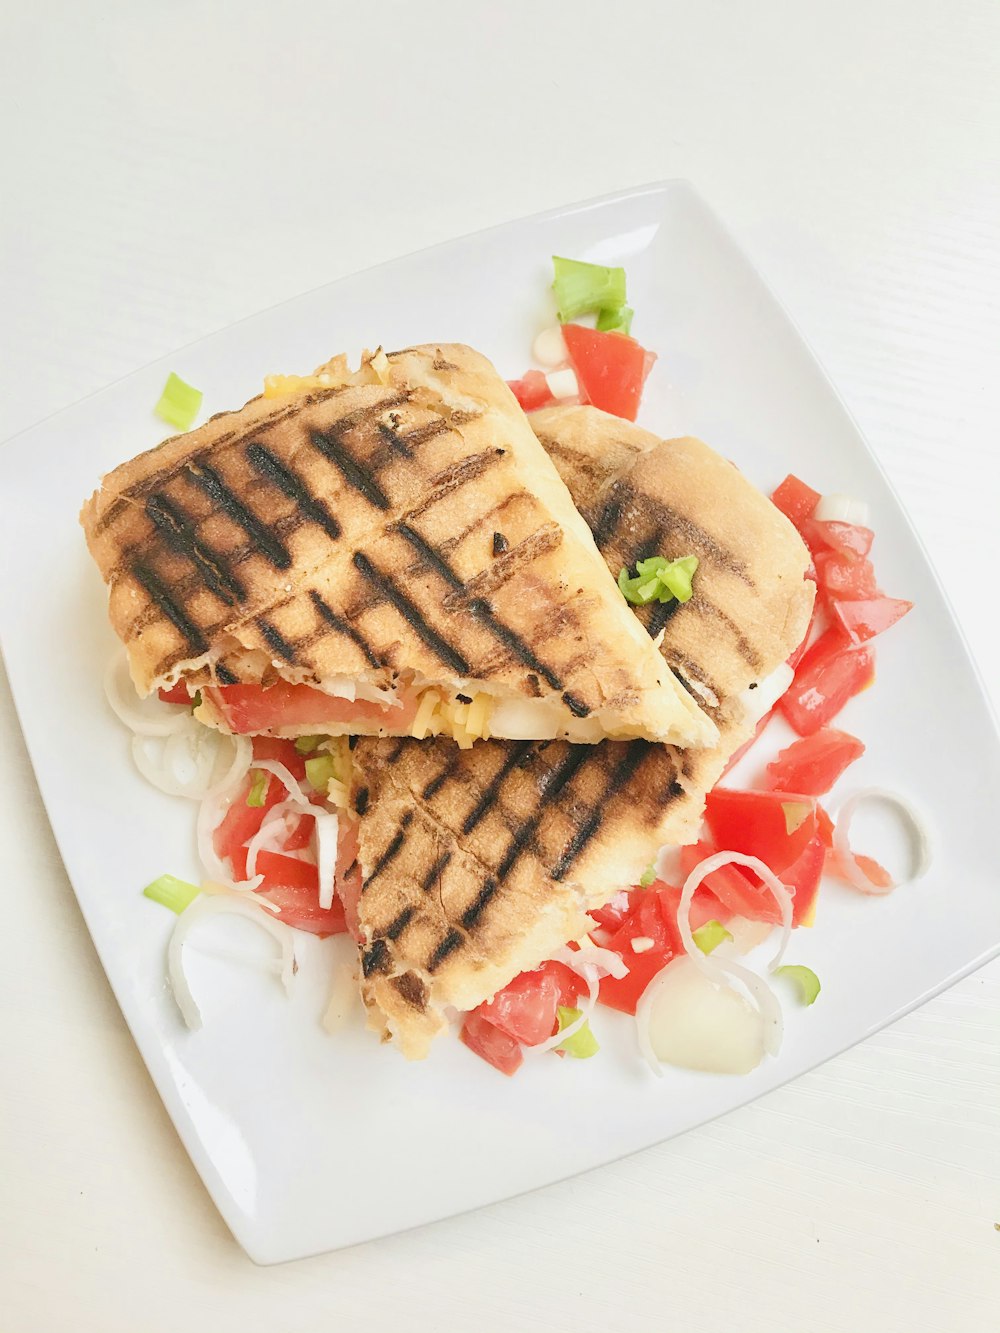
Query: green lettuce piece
[583,288]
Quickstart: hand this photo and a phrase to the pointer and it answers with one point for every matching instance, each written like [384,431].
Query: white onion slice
[191,917]
[271,834]
[842,843]
[326,856]
[144,717]
[686,1020]
[549,348]
[842,509]
[715,862]
[186,763]
[563,384]
[290,784]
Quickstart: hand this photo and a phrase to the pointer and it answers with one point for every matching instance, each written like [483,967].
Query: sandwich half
[472,866]
[386,552]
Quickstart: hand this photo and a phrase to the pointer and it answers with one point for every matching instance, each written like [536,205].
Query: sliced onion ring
[842,845]
[144,717]
[191,917]
[326,855]
[591,965]
[716,861]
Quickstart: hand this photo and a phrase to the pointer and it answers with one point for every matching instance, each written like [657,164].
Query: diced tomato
[813,764]
[848,539]
[250,708]
[824,826]
[177,694]
[747,745]
[610,367]
[526,1008]
[742,893]
[241,822]
[293,885]
[653,918]
[494,1046]
[301,834]
[282,751]
[879,876]
[612,914]
[796,500]
[797,654]
[862,620]
[756,824]
[531,391]
[844,576]
[832,670]
[569,984]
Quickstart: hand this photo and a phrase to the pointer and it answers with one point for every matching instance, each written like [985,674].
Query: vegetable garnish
[805,979]
[615,321]
[582,1044]
[647,876]
[258,789]
[659,580]
[169,891]
[710,936]
[320,770]
[307,744]
[583,289]
[179,403]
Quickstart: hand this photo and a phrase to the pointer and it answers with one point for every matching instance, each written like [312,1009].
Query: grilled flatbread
[388,552]
[477,865]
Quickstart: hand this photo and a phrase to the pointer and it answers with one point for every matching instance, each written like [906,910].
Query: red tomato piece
[653,918]
[848,539]
[824,826]
[735,890]
[249,708]
[293,885]
[241,822]
[845,576]
[864,619]
[802,878]
[282,751]
[526,1008]
[832,670]
[612,914]
[531,391]
[610,367]
[796,656]
[177,694]
[879,876]
[495,1047]
[756,824]
[796,500]
[569,984]
[301,834]
[813,764]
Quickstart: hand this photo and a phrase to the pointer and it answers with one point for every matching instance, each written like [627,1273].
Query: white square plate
[308,1142]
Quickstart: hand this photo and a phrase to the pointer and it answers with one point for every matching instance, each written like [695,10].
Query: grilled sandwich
[473,866]
[384,552]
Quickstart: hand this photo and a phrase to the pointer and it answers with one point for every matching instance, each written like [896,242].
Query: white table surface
[169,168]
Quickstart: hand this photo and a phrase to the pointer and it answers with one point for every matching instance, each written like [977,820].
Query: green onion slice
[583,289]
[172,892]
[258,788]
[710,936]
[582,1044]
[615,320]
[658,579]
[179,403]
[307,744]
[320,769]
[647,876]
[805,979]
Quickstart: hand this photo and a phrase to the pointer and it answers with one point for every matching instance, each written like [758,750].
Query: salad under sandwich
[474,866]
